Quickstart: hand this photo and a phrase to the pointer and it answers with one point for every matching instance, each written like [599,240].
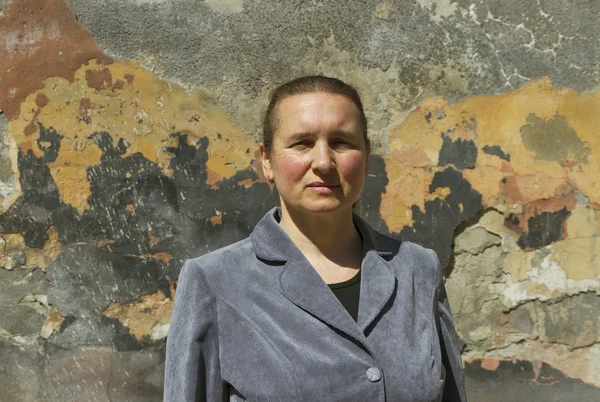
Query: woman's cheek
[352,165]
[290,168]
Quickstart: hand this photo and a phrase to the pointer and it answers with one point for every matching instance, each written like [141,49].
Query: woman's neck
[330,235]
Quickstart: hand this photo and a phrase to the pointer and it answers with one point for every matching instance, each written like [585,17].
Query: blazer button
[373,374]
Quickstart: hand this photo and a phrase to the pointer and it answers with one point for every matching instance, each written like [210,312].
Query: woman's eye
[341,143]
[301,144]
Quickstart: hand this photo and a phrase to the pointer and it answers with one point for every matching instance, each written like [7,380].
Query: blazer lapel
[304,287]
[301,284]
[378,283]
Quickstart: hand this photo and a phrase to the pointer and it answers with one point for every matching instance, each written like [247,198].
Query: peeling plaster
[440,8]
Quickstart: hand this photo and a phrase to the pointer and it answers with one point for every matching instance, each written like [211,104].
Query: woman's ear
[265,162]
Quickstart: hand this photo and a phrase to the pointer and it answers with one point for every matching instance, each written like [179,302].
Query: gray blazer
[254,321]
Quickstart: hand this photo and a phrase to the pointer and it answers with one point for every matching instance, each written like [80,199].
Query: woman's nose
[323,159]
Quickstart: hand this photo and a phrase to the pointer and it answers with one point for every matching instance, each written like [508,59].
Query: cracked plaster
[7,177]
[506,300]
[471,47]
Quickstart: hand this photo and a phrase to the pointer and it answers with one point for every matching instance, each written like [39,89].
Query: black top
[348,293]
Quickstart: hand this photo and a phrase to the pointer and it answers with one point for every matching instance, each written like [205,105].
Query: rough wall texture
[127,144]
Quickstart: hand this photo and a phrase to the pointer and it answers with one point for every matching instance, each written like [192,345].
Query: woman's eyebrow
[344,133]
[299,136]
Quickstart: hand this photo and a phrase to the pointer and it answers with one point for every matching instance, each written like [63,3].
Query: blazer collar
[301,284]
[271,242]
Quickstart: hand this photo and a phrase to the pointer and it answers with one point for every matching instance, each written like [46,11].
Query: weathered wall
[127,144]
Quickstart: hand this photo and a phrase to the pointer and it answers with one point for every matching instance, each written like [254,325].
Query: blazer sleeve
[454,389]
[192,371]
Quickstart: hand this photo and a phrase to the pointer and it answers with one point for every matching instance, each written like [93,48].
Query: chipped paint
[15,253]
[147,112]
[48,43]
[53,323]
[145,317]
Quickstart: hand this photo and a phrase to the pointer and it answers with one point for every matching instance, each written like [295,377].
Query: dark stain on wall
[520,380]
[497,151]
[105,142]
[370,199]
[40,205]
[460,153]
[434,227]
[543,229]
[140,227]
[574,322]
[49,143]
[554,140]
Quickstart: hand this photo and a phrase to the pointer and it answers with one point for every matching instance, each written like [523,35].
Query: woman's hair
[309,84]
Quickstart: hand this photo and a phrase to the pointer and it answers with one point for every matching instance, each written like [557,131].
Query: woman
[315,305]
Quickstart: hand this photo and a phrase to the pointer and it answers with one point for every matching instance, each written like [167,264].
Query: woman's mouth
[322,188]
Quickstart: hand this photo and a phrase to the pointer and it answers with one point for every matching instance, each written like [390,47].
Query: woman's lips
[322,188]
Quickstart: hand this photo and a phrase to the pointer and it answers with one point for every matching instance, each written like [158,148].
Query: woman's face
[319,157]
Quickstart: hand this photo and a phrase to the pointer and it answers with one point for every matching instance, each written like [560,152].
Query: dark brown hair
[309,84]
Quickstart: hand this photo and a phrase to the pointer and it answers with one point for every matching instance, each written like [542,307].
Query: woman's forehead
[318,110]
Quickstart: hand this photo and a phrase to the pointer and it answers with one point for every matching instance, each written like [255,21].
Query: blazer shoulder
[403,249]
[228,256]
[417,250]
[422,258]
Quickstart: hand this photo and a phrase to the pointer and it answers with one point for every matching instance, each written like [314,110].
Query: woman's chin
[322,206]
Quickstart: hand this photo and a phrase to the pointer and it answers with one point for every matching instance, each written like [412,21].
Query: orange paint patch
[153,239]
[53,323]
[36,257]
[104,242]
[529,188]
[27,146]
[490,364]
[212,178]
[172,286]
[567,201]
[409,187]
[247,183]
[142,316]
[487,181]
[506,168]
[73,185]
[162,257]
[216,220]
[413,156]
